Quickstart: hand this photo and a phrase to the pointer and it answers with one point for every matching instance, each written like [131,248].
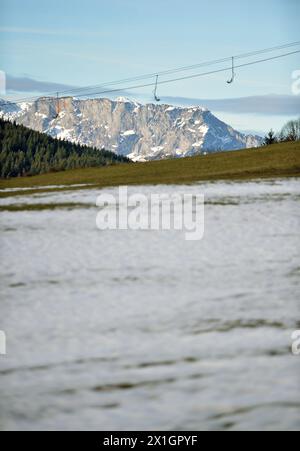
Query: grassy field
[279,160]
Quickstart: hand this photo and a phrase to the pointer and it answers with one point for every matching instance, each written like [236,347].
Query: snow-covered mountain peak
[142,132]
[126,100]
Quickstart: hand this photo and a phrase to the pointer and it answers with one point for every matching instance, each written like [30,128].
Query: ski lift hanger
[156,98]
[171,80]
[233,73]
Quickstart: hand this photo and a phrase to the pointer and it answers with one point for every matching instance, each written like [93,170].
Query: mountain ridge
[129,128]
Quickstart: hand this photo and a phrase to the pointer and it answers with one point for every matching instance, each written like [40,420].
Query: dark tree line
[26,152]
[290,132]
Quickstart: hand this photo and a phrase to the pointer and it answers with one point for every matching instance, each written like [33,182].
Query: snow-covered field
[129,330]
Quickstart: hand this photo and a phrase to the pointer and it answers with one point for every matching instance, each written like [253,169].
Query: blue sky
[81,43]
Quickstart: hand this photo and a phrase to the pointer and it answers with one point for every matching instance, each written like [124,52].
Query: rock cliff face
[141,132]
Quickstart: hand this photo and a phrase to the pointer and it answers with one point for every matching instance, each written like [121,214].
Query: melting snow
[25,106]
[44,116]
[126,100]
[180,124]
[157,149]
[64,133]
[128,133]
[203,129]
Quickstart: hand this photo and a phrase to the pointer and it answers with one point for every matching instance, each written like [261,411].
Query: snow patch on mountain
[141,132]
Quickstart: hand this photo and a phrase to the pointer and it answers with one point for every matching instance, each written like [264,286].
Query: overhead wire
[86,91]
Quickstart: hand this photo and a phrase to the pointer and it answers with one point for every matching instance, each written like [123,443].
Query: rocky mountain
[141,132]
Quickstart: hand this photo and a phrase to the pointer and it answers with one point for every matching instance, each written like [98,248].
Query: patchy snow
[128,133]
[25,106]
[180,123]
[203,129]
[137,158]
[144,132]
[65,133]
[126,100]
[43,116]
[123,100]
[157,148]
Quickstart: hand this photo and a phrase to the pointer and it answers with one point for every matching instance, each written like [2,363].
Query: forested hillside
[26,152]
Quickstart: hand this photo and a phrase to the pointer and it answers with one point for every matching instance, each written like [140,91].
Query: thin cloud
[30,31]
[27,84]
[42,31]
[271,105]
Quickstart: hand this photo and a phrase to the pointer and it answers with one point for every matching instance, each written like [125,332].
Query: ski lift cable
[167,72]
[188,77]
[183,68]
[86,93]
